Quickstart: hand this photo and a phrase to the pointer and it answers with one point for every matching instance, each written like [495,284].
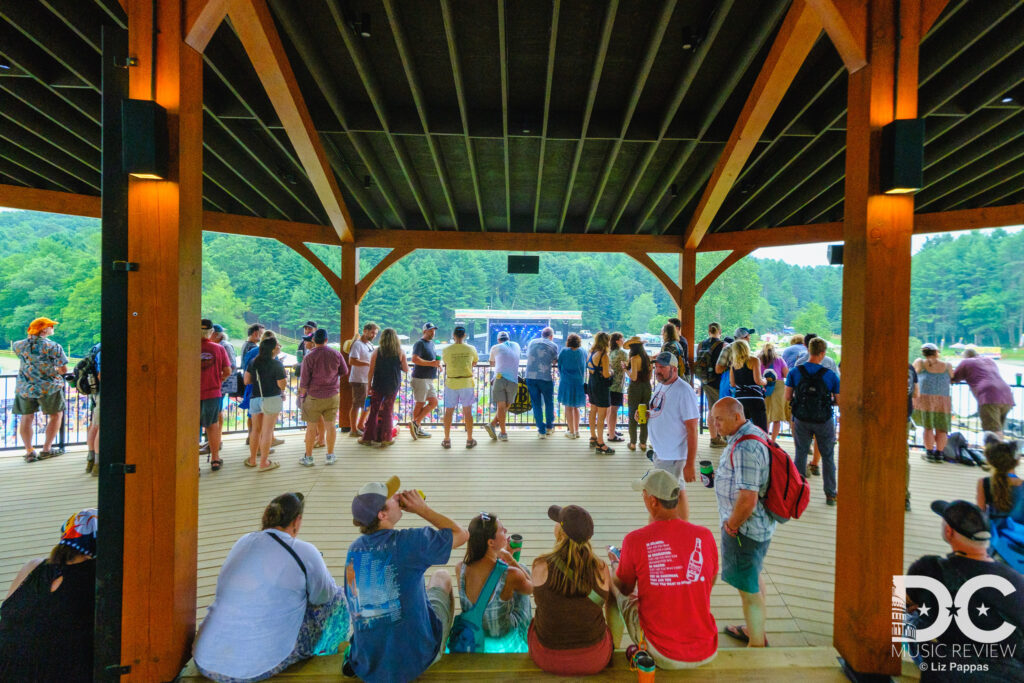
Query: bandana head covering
[79,532]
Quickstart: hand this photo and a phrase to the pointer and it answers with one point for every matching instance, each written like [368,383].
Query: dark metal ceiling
[526,115]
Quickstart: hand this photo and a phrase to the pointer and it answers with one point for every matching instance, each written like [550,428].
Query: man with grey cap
[399,627]
[663,580]
[672,425]
[505,361]
[994,609]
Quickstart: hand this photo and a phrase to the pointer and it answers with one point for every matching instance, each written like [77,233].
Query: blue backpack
[467,634]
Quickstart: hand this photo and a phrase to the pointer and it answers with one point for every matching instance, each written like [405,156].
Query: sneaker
[815,470]
[277,442]
[306,461]
[503,437]
[541,435]
[331,458]
[570,435]
[422,433]
[489,428]
[830,501]
[89,462]
[414,430]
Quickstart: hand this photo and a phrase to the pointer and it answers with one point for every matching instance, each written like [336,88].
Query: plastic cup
[1018,379]
[516,545]
[707,474]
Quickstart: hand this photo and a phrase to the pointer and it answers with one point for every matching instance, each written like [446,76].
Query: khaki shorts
[443,605]
[51,404]
[629,607]
[993,416]
[504,391]
[95,411]
[423,389]
[358,394]
[315,408]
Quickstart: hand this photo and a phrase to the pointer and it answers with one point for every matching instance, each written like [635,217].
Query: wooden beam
[716,272]
[834,16]
[305,252]
[393,257]
[552,46]
[269,228]
[50,201]
[517,241]
[796,37]
[930,11]
[203,18]
[255,27]
[686,304]
[588,109]
[657,271]
[349,320]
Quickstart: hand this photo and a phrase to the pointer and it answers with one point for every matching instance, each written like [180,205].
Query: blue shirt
[796,374]
[745,466]
[540,354]
[395,634]
[792,352]
[572,363]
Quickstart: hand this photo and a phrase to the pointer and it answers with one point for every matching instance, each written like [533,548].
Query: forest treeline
[966,287]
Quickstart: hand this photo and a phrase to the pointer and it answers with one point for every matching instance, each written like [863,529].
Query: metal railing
[77,413]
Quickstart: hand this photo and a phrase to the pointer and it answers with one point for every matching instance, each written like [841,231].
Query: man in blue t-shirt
[541,357]
[821,428]
[399,628]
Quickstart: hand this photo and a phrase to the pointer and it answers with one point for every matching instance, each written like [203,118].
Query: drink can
[641,413]
[707,474]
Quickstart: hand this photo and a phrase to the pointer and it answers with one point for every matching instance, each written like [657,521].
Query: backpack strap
[291,551]
[746,437]
[477,612]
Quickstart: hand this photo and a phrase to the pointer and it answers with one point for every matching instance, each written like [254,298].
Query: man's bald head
[727,415]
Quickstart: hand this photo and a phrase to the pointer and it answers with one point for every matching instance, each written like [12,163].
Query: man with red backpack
[741,482]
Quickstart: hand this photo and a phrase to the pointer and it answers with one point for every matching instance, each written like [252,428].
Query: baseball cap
[429,326]
[963,517]
[661,484]
[307,337]
[40,324]
[741,333]
[371,499]
[666,358]
[576,522]
[218,328]
[310,323]
[320,336]
[503,336]
[206,324]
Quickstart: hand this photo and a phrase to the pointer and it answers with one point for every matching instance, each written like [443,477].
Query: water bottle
[640,660]
[641,414]
[707,474]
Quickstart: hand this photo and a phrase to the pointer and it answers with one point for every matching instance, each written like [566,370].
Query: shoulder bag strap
[295,555]
[594,596]
[484,599]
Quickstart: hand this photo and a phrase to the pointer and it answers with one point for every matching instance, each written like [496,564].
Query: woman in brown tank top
[569,635]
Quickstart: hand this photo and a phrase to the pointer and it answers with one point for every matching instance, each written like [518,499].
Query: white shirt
[671,405]
[506,359]
[254,621]
[360,350]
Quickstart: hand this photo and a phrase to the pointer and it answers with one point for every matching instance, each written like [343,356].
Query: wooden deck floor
[516,480]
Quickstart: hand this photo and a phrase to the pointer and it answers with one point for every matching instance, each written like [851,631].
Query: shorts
[423,389]
[710,391]
[315,408]
[673,466]
[271,405]
[94,418]
[209,411]
[993,416]
[443,605]
[629,608]
[579,661]
[504,391]
[51,404]
[456,397]
[358,394]
[616,398]
[742,559]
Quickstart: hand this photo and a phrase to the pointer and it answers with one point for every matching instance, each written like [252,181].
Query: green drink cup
[515,544]
[707,473]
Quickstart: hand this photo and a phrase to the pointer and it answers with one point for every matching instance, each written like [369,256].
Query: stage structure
[522,326]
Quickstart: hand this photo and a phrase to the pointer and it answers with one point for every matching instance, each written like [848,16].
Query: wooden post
[162,435]
[876,312]
[687,302]
[349,318]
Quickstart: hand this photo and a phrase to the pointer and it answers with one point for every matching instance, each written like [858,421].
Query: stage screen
[519,331]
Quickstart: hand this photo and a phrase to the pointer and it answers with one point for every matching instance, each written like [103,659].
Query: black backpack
[707,357]
[812,400]
[87,380]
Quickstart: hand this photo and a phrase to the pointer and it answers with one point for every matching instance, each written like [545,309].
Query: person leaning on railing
[40,386]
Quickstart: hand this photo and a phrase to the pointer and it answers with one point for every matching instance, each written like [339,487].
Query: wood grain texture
[202,19]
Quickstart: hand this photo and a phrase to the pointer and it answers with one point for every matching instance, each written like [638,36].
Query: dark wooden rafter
[682,87]
[796,37]
[59,41]
[303,250]
[372,86]
[674,290]
[48,131]
[392,257]
[36,96]
[314,62]
[255,27]
[552,47]
[411,76]
[588,109]
[744,60]
[639,81]
[77,17]
[730,260]
[460,95]
[1003,165]
[503,67]
[51,162]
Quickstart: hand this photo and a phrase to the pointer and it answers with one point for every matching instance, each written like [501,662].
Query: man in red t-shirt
[664,578]
[214,368]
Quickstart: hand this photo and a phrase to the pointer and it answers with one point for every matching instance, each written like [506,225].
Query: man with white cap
[505,361]
[399,628]
[662,582]
[672,425]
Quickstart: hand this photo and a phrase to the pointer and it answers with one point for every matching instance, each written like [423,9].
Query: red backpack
[788,491]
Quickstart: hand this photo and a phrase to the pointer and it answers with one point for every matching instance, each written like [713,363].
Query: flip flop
[272,466]
[737,632]
[215,465]
[248,464]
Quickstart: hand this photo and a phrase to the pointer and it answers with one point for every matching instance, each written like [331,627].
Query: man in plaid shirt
[747,528]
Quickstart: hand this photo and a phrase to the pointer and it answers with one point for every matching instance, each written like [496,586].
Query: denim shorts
[271,405]
[742,559]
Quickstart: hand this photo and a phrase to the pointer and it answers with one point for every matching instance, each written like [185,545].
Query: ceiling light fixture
[144,146]
[1007,100]
[902,157]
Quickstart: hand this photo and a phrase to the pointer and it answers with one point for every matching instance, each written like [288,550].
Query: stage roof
[529,116]
[486,314]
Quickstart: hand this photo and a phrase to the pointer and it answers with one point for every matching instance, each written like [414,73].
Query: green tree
[641,311]
[983,313]
[813,318]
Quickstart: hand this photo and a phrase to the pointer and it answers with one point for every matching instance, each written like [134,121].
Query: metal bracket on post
[121,468]
[124,266]
[119,670]
[126,62]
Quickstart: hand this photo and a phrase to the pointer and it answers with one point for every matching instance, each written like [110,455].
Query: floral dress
[934,406]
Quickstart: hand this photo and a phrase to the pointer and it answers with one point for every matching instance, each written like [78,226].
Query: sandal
[447,443]
[615,439]
[248,464]
[602,449]
[470,443]
[31,457]
[631,446]
[272,465]
[215,465]
[593,442]
[737,632]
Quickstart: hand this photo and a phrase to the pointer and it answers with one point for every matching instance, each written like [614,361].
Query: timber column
[688,297]
[165,240]
[876,311]
[349,318]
